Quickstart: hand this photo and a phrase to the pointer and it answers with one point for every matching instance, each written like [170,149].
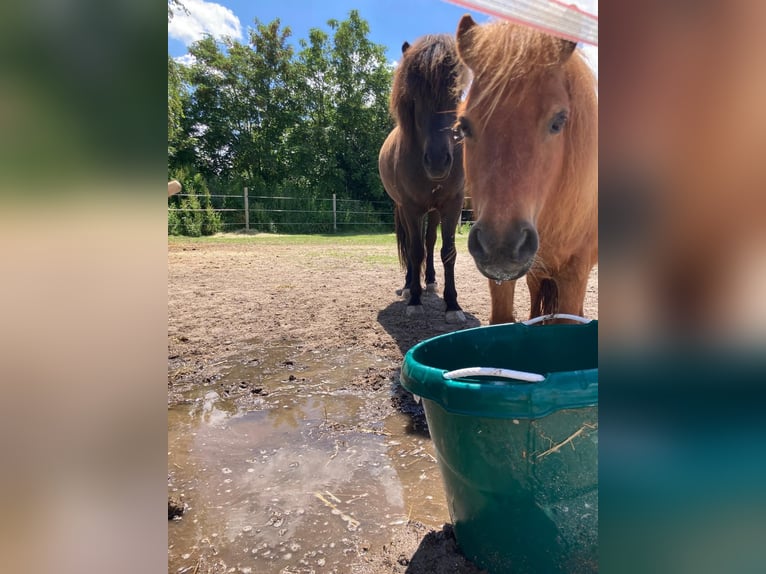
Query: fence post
[334,215]
[247,212]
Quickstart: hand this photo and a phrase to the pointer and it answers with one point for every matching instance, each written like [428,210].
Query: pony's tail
[401,238]
[547,301]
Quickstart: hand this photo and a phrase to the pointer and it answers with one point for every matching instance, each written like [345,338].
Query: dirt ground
[226,298]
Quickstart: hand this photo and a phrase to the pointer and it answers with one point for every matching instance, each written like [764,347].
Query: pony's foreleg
[432,223]
[405,292]
[454,314]
[401,245]
[501,297]
[415,257]
[572,286]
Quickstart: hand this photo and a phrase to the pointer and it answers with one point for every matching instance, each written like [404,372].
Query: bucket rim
[475,396]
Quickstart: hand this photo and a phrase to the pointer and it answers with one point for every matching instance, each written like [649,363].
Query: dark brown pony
[529,132]
[421,168]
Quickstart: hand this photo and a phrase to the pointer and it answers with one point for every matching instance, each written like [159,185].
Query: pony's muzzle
[503,254]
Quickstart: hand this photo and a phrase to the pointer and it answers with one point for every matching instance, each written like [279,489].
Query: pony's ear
[405,46]
[567,49]
[465,25]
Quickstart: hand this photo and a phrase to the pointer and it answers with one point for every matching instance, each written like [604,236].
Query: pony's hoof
[431,287]
[399,292]
[454,317]
[414,311]
[405,293]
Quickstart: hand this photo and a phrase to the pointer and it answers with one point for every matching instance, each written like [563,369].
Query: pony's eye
[558,123]
[462,129]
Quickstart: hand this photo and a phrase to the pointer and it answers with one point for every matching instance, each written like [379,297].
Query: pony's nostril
[476,246]
[522,239]
[525,244]
[426,159]
[447,160]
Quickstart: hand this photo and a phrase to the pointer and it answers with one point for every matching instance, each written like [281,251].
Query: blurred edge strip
[576,21]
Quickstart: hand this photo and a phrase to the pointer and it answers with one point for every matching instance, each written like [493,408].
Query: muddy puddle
[288,463]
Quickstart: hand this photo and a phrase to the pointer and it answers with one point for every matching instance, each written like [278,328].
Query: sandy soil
[225,298]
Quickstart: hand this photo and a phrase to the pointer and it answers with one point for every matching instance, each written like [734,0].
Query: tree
[262,79]
[208,115]
[175,6]
[363,81]
[313,162]
[175,105]
[257,114]
[242,105]
[194,214]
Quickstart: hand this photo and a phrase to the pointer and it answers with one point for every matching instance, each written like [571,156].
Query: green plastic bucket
[519,458]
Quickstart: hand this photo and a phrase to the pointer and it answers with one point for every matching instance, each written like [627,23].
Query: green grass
[278,239]
[381,239]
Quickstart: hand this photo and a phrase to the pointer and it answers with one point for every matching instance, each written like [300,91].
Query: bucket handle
[542,318]
[510,373]
[494,372]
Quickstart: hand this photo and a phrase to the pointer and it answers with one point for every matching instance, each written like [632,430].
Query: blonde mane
[509,61]
[509,58]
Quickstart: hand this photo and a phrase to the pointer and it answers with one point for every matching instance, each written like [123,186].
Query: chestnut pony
[530,142]
[421,168]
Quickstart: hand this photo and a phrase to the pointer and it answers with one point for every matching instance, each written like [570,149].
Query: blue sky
[391,21]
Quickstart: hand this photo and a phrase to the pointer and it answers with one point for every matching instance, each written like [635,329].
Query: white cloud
[203,18]
[186,60]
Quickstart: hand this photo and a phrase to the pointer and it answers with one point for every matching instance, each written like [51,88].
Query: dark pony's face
[431,80]
[434,130]
[513,139]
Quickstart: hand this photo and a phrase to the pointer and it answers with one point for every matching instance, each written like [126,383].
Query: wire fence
[286,214]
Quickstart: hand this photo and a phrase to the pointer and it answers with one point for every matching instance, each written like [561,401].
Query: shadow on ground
[418,549]
[407,332]
[405,403]
[438,552]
